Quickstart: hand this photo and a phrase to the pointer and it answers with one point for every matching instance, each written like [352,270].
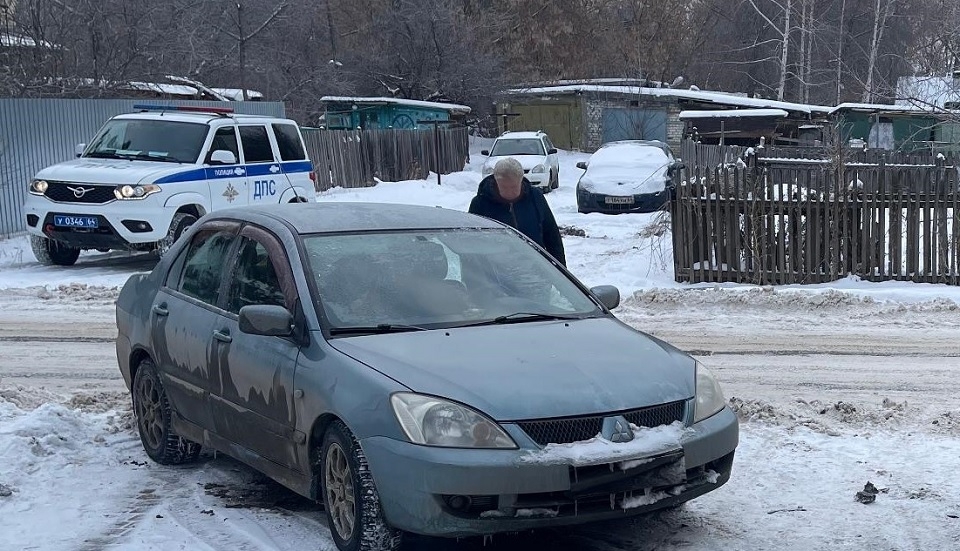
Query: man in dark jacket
[507,197]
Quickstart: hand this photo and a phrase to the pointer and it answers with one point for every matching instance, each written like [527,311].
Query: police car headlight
[136,192]
[38,187]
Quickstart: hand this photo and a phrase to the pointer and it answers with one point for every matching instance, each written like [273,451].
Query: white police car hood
[111,171]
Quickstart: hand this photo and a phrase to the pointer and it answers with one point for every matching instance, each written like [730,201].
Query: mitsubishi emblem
[617,429]
[80,191]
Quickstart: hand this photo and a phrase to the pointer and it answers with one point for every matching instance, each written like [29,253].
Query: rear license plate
[64,221]
[618,200]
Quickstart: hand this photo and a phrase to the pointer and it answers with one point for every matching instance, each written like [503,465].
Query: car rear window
[256,144]
[288,142]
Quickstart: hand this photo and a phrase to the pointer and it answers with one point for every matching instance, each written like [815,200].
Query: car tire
[153,414]
[554,180]
[53,253]
[181,223]
[349,495]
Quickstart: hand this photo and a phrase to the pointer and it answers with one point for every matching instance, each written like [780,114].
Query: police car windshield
[149,140]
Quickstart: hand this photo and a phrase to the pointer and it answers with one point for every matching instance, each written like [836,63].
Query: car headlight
[538,169]
[437,422]
[38,187]
[487,170]
[709,396]
[135,192]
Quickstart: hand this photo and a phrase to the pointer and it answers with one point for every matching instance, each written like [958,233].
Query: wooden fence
[359,158]
[779,222]
[711,156]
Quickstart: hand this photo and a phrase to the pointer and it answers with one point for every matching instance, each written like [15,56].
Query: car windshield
[432,279]
[149,140]
[508,147]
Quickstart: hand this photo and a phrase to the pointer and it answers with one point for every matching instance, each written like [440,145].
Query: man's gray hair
[508,167]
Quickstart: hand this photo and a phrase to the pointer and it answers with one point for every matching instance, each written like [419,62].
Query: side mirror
[223,157]
[485,152]
[608,294]
[81,147]
[582,165]
[552,151]
[266,320]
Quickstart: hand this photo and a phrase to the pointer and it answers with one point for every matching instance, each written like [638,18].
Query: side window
[225,139]
[547,143]
[256,144]
[288,142]
[255,279]
[203,265]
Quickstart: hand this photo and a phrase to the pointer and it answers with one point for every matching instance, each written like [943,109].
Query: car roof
[199,118]
[311,218]
[522,135]
[642,143]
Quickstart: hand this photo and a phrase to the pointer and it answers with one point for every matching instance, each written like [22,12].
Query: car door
[227,183]
[183,317]
[552,159]
[254,406]
[265,183]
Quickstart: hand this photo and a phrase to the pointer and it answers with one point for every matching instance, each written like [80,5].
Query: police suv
[147,176]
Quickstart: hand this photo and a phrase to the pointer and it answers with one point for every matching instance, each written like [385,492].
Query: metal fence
[359,158]
[777,222]
[35,133]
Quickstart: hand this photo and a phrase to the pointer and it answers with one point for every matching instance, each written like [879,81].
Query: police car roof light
[190,108]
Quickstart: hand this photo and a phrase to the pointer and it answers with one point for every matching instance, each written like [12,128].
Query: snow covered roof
[452,107]
[733,114]
[22,41]
[162,88]
[236,94]
[928,92]
[879,108]
[719,98]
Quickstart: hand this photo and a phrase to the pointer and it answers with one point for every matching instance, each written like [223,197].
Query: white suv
[147,176]
[536,153]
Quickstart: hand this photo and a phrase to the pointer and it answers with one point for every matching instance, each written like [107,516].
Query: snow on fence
[361,158]
[768,222]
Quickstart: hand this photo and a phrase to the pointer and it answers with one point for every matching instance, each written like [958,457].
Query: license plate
[618,200]
[65,221]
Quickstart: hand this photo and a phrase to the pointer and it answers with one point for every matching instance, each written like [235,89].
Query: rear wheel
[181,223]
[350,498]
[153,413]
[53,253]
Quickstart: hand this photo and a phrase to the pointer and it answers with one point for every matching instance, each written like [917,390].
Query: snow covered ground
[836,385]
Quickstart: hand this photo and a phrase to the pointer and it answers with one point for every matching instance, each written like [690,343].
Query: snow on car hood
[528,162]
[109,171]
[533,370]
[626,170]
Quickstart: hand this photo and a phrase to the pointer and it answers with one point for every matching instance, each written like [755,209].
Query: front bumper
[117,223]
[645,202]
[418,484]
[539,179]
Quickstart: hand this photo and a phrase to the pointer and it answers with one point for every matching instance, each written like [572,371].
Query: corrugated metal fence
[358,158]
[35,133]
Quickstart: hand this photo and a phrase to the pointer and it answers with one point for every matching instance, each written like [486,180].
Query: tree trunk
[785,52]
[879,24]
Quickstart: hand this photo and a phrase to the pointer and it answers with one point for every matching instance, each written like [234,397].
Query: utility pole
[243,83]
[436,141]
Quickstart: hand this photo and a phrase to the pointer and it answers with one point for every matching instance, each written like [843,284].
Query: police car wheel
[181,222]
[53,253]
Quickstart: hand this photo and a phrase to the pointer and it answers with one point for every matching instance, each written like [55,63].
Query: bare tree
[885,9]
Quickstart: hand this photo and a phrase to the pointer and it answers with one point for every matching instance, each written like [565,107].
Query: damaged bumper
[457,492]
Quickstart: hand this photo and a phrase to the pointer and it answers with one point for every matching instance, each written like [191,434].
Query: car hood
[620,181]
[533,370]
[109,171]
[526,161]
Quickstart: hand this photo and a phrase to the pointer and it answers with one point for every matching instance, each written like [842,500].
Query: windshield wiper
[374,329]
[148,157]
[103,155]
[521,317]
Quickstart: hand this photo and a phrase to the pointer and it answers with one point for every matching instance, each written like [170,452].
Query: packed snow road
[834,391]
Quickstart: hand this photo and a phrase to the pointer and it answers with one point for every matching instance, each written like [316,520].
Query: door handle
[223,336]
[161,309]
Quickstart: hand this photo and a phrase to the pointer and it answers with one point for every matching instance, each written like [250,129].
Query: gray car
[413,369]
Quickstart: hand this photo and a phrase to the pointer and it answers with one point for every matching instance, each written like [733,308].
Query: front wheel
[554,180]
[53,253]
[351,502]
[153,414]
[181,223]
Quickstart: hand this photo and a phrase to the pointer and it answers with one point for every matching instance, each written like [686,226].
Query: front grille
[61,192]
[575,429]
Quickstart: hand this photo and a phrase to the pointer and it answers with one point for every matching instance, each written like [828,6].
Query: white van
[147,176]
